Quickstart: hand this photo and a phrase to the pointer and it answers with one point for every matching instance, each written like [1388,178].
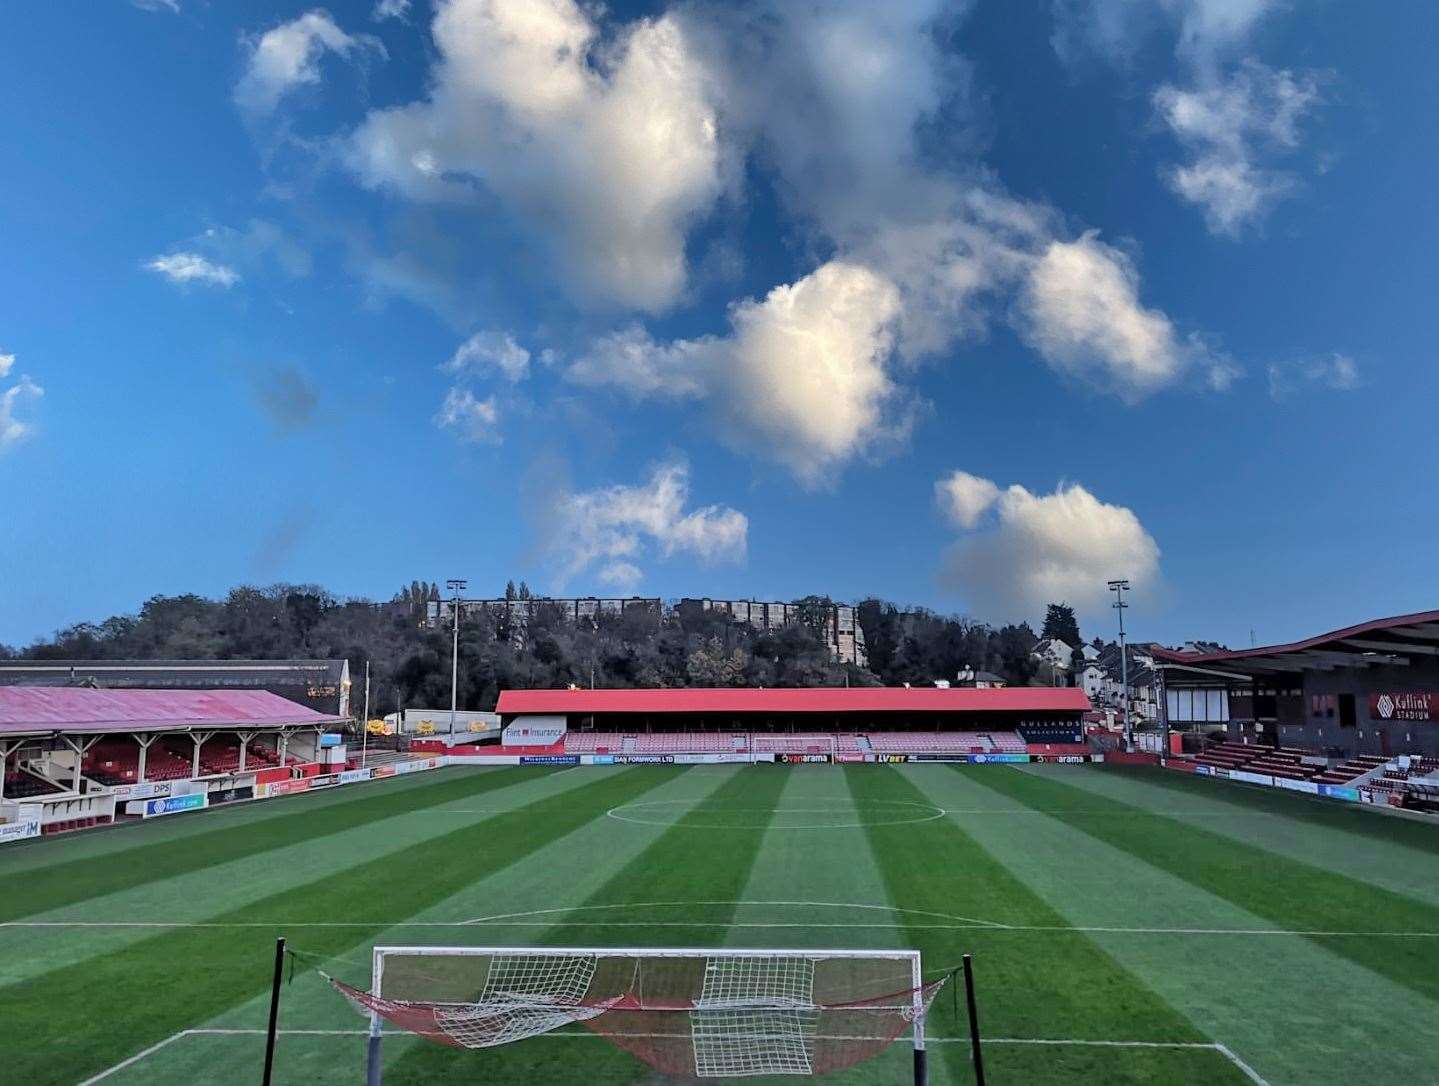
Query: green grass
[1080,891]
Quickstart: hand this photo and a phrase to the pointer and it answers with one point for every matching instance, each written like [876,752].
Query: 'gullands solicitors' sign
[1404,706]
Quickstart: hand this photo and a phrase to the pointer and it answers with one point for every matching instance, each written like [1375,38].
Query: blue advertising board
[176,804]
[549,759]
[331,739]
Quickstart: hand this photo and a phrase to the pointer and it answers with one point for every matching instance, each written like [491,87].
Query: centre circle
[817,815]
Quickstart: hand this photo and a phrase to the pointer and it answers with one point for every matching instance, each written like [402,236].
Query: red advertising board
[1405,706]
[286,788]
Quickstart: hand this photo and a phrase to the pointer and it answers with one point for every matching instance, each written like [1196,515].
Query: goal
[694,1013]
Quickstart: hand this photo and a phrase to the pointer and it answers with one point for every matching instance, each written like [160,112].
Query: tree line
[542,646]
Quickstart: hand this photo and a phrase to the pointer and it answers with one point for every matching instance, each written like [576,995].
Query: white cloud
[1079,308]
[289,55]
[1226,127]
[1043,548]
[607,150]
[484,350]
[634,362]
[618,525]
[390,9]
[1231,115]
[1335,372]
[622,576]
[172,6]
[801,378]
[965,498]
[1207,29]
[184,268]
[12,428]
[473,419]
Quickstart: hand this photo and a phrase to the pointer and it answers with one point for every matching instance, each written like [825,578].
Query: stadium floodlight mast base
[456,585]
[702,1012]
[1119,588]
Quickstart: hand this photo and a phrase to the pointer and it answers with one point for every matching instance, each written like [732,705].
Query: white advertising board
[535,730]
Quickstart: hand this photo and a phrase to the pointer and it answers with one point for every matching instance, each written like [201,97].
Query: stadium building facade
[1369,689]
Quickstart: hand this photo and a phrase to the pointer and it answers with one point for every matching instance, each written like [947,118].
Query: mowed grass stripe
[45,852]
[187,976]
[1349,818]
[1293,896]
[1068,988]
[78,880]
[684,863]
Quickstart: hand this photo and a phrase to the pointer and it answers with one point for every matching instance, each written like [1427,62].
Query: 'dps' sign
[1404,706]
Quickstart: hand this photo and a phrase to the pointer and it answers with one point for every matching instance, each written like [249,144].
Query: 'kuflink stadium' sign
[1408,706]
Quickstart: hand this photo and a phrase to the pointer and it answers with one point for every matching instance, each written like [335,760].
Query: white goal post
[692,1012]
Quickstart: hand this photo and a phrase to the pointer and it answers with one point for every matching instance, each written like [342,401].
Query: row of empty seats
[116,761]
[75,824]
[1351,770]
[22,785]
[1286,762]
[794,743]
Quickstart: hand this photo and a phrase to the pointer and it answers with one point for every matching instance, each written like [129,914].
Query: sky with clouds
[974,305]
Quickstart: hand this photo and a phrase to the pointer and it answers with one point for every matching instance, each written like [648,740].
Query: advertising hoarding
[196,801]
[19,831]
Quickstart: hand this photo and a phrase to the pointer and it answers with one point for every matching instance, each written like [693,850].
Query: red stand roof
[83,709]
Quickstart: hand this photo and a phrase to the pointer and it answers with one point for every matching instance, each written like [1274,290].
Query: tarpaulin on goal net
[704,1017]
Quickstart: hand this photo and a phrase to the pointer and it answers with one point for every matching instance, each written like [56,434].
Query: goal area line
[1192,1046]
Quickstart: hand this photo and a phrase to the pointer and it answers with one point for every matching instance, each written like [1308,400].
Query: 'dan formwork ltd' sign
[1407,706]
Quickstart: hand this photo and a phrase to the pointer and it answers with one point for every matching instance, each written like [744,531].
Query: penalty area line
[984,926]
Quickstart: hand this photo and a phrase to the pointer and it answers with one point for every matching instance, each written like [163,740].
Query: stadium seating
[1285,762]
[844,743]
[793,743]
[946,742]
[117,761]
[1351,770]
[22,785]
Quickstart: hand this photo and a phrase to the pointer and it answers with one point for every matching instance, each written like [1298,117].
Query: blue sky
[964,305]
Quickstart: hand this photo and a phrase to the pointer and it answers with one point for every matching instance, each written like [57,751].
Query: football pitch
[1127,925]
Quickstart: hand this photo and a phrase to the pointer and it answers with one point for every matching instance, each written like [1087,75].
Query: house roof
[783,700]
[33,710]
[1381,641]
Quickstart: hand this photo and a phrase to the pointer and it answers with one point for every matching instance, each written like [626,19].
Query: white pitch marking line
[1223,1050]
[136,1058]
[932,813]
[981,925]
[1244,1068]
[963,921]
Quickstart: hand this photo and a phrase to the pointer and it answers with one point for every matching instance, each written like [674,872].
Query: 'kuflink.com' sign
[176,804]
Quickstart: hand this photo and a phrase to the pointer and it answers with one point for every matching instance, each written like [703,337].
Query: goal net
[690,1013]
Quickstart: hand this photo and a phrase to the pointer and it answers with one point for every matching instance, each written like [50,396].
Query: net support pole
[921,1059]
[374,1066]
[274,1010]
[974,1051]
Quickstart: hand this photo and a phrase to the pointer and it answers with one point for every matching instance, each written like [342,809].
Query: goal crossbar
[688,1011]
